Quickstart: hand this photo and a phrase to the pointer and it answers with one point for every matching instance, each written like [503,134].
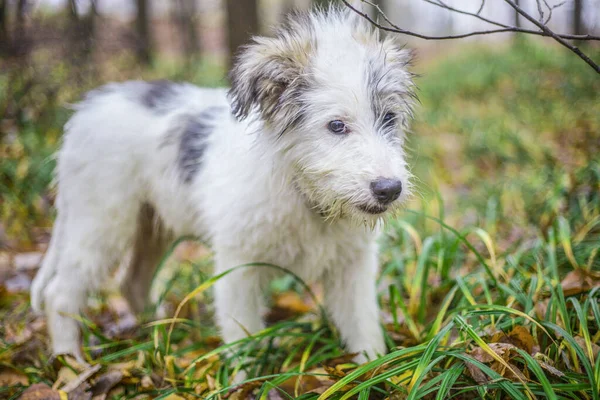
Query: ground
[490,279]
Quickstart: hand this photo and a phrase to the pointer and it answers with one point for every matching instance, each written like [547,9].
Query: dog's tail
[49,266]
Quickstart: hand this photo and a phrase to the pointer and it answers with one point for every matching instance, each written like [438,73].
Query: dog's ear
[264,70]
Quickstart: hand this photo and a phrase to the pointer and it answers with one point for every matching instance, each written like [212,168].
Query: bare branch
[545,31]
[556,37]
[476,15]
[481,7]
[540,11]
[496,23]
[552,8]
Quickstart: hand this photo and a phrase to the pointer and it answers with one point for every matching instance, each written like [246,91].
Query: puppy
[295,165]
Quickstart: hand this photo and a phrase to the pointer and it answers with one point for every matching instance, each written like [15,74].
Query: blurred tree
[185,18]
[82,29]
[577,20]
[14,40]
[142,27]
[517,22]
[242,16]
[4,38]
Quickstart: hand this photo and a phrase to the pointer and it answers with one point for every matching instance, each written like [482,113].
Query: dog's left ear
[264,72]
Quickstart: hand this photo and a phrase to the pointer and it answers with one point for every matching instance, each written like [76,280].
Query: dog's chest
[297,239]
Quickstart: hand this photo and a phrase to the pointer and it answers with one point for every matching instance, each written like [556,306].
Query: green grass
[489,280]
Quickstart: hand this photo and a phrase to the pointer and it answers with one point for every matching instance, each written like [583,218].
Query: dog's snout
[386,190]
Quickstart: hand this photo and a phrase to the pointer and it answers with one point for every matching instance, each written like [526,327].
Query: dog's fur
[254,171]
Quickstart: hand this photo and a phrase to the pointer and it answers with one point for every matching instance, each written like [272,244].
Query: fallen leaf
[40,391]
[305,383]
[334,372]
[243,391]
[81,378]
[506,351]
[174,396]
[578,281]
[12,377]
[481,355]
[287,305]
[81,392]
[476,373]
[581,342]
[65,375]
[147,382]
[105,382]
[274,395]
[541,308]
[550,368]
[521,338]
[343,359]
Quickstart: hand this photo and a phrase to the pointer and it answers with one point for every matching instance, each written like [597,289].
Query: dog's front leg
[351,300]
[239,300]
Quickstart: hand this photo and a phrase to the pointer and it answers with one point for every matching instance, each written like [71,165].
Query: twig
[545,31]
[481,7]
[464,12]
[540,11]
[555,36]
[508,28]
[84,376]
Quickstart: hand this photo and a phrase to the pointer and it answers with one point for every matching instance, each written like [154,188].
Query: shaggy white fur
[294,166]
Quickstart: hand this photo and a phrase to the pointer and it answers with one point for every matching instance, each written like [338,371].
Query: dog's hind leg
[49,265]
[150,245]
[90,246]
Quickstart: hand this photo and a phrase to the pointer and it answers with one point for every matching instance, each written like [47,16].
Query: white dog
[295,165]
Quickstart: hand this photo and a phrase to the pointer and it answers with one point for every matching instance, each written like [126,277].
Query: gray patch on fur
[159,94]
[379,78]
[193,141]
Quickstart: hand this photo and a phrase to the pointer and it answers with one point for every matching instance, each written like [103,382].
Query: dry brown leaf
[81,378]
[274,395]
[343,359]
[106,382]
[287,305]
[506,351]
[12,377]
[581,342]
[147,382]
[200,388]
[305,384]
[514,373]
[578,281]
[334,372]
[80,392]
[481,355]
[541,308]
[476,373]
[65,375]
[243,391]
[40,391]
[174,396]
[521,338]
[550,368]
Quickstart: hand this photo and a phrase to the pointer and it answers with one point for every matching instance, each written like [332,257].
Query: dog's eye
[389,118]
[337,127]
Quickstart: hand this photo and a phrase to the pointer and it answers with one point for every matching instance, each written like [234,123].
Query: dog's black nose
[386,190]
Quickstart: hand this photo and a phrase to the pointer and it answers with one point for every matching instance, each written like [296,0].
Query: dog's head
[336,99]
